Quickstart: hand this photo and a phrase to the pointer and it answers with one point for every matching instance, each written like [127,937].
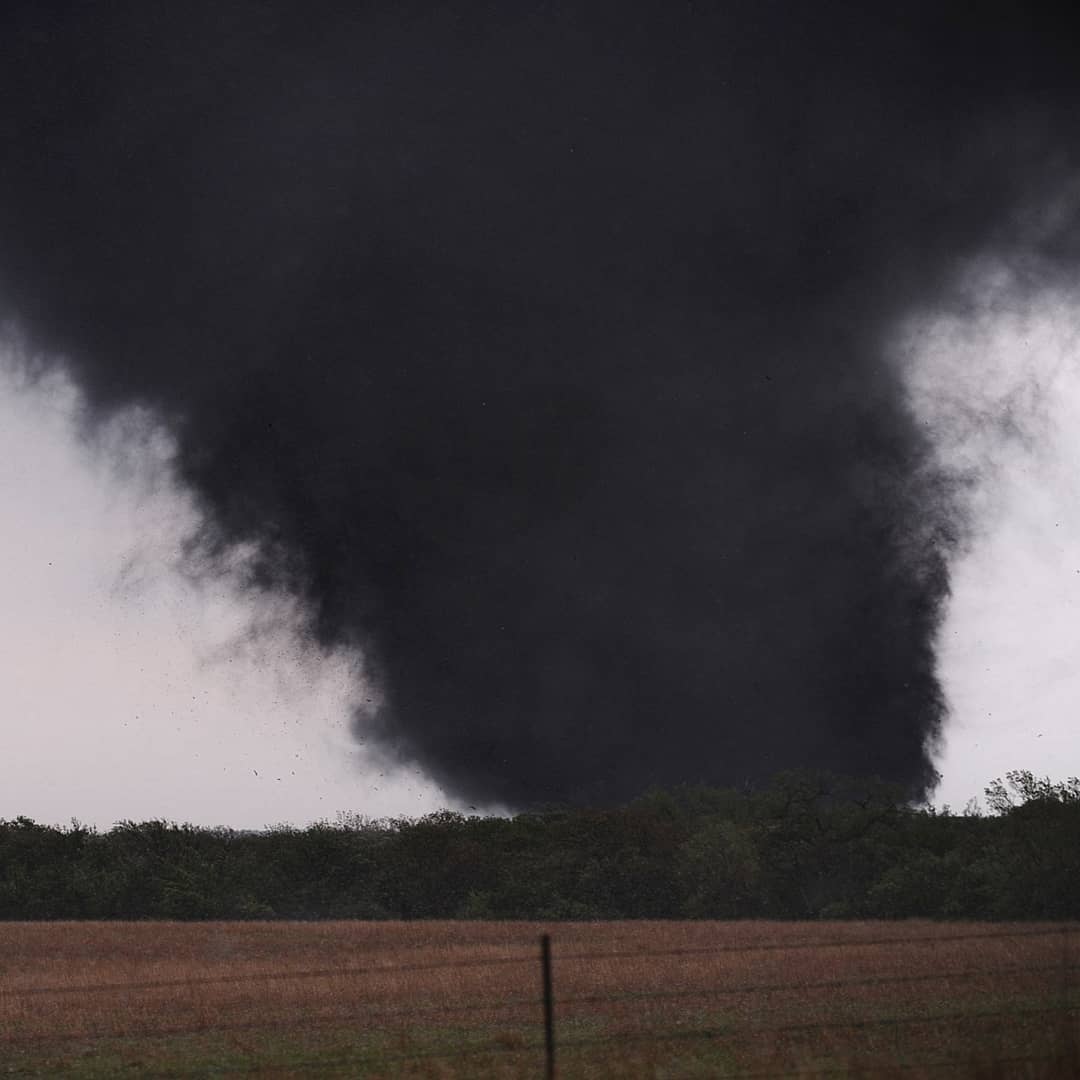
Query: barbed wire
[847,1070]
[309,1021]
[836,943]
[827,984]
[926,1018]
[535,1046]
[360,1058]
[313,1067]
[530,958]
[253,976]
[756,1030]
[533,1001]
[356,1013]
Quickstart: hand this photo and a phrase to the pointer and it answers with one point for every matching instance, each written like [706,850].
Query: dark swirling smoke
[542,346]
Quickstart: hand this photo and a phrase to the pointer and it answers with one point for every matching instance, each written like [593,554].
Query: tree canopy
[809,845]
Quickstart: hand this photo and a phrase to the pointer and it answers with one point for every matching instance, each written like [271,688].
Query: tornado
[542,352]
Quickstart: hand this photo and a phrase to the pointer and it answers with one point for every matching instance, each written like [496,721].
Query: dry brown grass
[462,999]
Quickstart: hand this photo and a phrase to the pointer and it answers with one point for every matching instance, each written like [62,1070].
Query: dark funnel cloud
[542,347]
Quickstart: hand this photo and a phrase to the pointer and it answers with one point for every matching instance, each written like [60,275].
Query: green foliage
[719,871]
[809,845]
[1035,863]
[1022,790]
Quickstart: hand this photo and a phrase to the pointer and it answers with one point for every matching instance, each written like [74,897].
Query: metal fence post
[1069,1049]
[549,1008]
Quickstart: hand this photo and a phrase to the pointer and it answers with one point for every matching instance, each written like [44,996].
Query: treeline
[808,846]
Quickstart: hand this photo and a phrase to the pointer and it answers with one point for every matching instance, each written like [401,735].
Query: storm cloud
[542,350]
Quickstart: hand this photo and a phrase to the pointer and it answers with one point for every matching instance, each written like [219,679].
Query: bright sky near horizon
[999,383]
[132,691]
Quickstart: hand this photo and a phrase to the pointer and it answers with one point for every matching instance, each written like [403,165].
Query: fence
[997,995]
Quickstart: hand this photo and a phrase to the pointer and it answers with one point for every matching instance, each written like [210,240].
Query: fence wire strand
[828,984]
[372,1058]
[640,954]
[836,943]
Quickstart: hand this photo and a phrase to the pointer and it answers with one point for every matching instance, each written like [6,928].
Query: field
[463,999]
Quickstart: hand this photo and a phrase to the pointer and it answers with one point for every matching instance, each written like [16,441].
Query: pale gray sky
[999,384]
[130,691]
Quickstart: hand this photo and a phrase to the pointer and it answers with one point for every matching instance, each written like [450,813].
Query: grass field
[456,1000]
